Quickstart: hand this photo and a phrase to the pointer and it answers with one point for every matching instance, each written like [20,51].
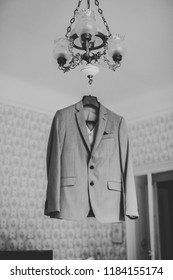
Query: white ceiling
[28,29]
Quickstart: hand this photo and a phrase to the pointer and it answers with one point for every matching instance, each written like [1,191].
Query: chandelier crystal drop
[86,44]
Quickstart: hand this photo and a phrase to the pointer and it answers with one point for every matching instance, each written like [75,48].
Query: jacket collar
[103,110]
[103,116]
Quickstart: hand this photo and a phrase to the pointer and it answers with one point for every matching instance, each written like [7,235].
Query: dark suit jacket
[75,172]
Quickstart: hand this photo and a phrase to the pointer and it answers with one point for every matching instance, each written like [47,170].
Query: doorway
[151,236]
[163,193]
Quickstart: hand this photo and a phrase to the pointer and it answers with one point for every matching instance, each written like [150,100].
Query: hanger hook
[88,1]
[90,77]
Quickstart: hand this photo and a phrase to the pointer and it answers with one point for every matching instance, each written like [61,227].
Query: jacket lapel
[103,116]
[82,124]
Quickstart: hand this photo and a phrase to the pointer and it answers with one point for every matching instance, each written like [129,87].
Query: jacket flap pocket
[114,186]
[68,181]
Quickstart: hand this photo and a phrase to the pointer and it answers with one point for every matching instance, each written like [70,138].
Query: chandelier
[86,44]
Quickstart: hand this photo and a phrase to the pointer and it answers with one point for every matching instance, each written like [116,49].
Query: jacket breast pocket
[108,136]
[68,181]
[114,186]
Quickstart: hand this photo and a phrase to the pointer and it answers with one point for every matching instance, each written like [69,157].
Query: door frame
[148,170]
[159,177]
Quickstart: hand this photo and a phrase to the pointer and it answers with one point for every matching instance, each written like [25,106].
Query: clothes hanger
[91,106]
[91,101]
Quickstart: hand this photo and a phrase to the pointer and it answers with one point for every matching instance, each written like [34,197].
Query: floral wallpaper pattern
[152,140]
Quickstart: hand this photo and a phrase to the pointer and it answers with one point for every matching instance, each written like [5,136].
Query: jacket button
[91,183]
[91,166]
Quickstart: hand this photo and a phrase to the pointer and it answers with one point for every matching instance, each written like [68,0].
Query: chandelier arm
[106,63]
[100,11]
[73,18]
[76,60]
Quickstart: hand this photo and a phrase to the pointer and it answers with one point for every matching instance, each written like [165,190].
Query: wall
[152,140]
[23,226]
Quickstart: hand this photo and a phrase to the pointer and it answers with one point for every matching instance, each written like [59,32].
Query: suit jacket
[77,173]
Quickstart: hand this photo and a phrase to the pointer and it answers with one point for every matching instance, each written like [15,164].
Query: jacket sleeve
[130,198]
[53,161]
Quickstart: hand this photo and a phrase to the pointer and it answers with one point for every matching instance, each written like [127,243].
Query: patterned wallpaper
[152,140]
[23,226]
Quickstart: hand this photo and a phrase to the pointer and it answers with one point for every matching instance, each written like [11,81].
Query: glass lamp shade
[86,23]
[116,47]
[61,51]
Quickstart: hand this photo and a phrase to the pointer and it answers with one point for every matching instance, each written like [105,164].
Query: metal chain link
[102,16]
[73,18]
[100,11]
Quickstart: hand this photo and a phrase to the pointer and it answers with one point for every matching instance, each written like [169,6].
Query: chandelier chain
[103,18]
[73,18]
